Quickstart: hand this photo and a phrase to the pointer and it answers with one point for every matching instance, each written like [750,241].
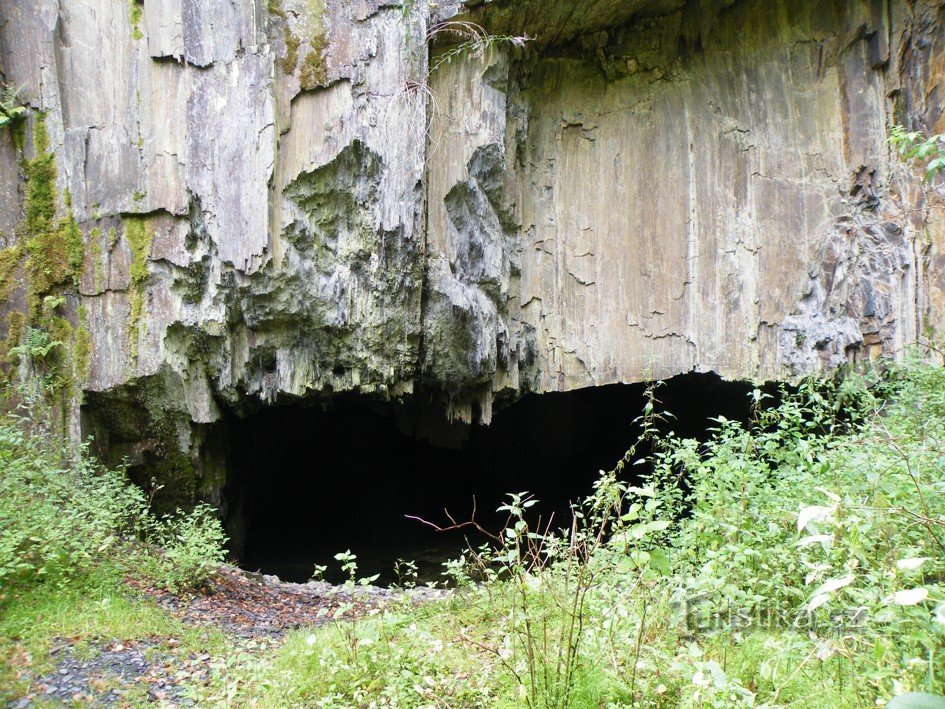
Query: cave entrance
[309,482]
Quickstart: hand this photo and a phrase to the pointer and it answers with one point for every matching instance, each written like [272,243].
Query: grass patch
[92,611]
[70,533]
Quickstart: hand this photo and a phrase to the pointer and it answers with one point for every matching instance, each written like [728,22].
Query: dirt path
[255,611]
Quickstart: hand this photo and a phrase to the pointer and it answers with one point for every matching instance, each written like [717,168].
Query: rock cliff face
[216,206]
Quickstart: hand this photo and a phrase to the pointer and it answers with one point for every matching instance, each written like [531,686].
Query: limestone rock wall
[294,198]
[694,191]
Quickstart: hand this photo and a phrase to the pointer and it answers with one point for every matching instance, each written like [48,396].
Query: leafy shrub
[59,523]
[193,546]
[914,146]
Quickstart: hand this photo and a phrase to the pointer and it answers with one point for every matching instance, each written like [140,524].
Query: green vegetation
[81,351]
[136,14]
[44,262]
[54,246]
[57,354]
[12,111]
[16,326]
[97,608]
[69,536]
[139,236]
[793,561]
[470,41]
[96,253]
[60,524]
[291,57]
[314,71]
[914,146]
[10,258]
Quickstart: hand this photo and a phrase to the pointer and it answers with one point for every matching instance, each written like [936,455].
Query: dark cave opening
[308,482]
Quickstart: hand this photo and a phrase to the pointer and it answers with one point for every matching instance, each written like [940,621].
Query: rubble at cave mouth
[309,482]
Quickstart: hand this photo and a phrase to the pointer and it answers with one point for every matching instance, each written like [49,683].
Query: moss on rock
[10,259]
[82,353]
[54,245]
[16,324]
[314,73]
[95,259]
[139,235]
[136,14]
[291,58]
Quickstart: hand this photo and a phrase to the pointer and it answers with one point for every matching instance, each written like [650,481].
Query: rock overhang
[657,188]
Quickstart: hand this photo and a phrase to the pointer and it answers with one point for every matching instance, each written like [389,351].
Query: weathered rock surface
[281,200]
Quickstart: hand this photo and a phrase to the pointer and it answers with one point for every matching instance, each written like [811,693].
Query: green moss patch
[10,259]
[16,324]
[136,14]
[95,259]
[139,235]
[54,246]
[291,57]
[314,73]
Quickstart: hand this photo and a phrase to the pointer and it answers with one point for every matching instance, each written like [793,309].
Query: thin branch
[454,525]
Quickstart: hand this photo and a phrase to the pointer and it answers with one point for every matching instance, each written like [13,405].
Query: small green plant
[472,41]
[406,572]
[11,110]
[193,544]
[915,146]
[135,15]
[36,346]
[349,566]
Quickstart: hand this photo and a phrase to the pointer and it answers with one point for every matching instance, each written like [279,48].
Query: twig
[454,525]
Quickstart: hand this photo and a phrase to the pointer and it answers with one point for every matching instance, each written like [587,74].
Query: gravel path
[104,674]
[255,610]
